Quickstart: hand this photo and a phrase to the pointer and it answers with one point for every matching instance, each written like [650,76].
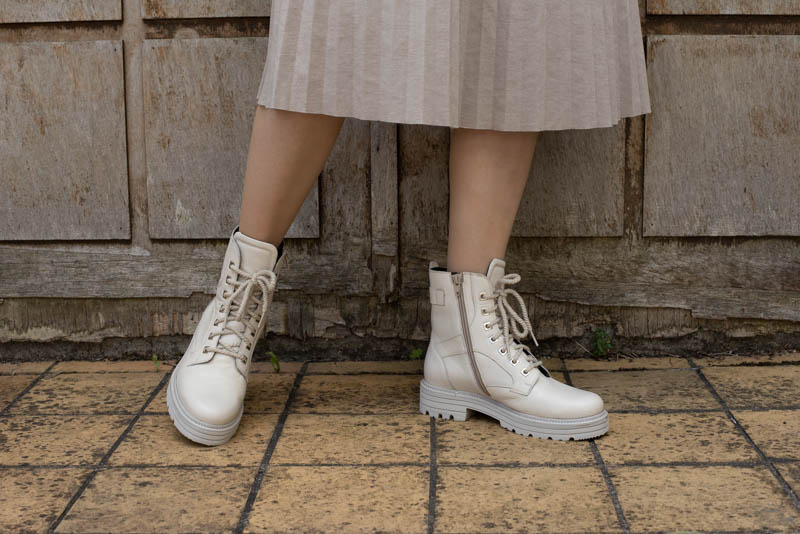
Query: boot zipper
[458,280]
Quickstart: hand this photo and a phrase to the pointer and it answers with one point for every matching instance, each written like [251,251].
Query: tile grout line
[612,490]
[390,465]
[433,477]
[244,518]
[676,411]
[95,469]
[29,387]
[764,459]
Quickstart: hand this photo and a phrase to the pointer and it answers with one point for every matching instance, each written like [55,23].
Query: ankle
[266,236]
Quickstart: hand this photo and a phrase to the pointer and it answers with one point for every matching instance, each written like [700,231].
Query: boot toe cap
[585,403]
[554,399]
[211,396]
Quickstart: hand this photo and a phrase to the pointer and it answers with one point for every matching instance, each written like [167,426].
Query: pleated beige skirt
[512,65]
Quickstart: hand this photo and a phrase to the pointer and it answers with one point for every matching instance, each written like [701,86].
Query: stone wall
[123,135]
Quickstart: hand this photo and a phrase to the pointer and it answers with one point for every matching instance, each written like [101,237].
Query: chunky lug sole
[460,405]
[196,430]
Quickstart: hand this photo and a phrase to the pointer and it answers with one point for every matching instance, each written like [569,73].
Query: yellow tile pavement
[523,499]
[88,393]
[68,440]
[674,437]
[161,500]
[350,452]
[342,499]
[154,440]
[32,499]
[657,499]
[648,390]
[757,387]
[354,439]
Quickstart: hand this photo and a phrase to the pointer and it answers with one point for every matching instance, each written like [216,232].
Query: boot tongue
[255,255]
[496,271]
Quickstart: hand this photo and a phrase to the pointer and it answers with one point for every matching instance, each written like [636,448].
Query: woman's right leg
[206,390]
[287,152]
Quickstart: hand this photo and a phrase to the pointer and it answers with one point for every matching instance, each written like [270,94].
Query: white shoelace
[520,325]
[249,307]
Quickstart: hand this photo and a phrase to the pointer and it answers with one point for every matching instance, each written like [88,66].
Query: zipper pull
[457,280]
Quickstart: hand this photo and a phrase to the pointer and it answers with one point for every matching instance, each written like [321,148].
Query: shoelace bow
[520,325]
[249,307]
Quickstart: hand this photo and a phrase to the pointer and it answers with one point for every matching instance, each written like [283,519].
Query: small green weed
[273,359]
[156,361]
[416,354]
[601,343]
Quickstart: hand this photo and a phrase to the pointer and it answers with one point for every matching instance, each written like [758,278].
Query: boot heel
[438,403]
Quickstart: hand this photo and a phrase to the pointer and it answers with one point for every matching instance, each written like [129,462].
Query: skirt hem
[532,128]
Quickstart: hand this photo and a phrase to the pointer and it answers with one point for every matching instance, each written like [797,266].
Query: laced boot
[205,394]
[476,362]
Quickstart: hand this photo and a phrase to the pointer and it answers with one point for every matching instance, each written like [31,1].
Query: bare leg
[488,171]
[287,152]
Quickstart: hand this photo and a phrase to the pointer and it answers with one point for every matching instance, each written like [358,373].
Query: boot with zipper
[205,394]
[476,362]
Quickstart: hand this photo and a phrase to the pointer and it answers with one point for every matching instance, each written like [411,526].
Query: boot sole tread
[194,429]
[446,403]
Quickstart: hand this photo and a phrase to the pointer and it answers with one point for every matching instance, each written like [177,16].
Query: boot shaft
[468,350]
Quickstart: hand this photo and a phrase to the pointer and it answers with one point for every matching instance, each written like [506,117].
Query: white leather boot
[205,394]
[476,363]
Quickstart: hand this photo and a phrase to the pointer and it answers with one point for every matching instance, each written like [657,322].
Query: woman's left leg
[488,171]
[477,360]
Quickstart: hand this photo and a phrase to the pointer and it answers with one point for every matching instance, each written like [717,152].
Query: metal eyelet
[486,326]
[483,296]
[503,350]
[484,312]
[514,362]
[524,373]
[493,339]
